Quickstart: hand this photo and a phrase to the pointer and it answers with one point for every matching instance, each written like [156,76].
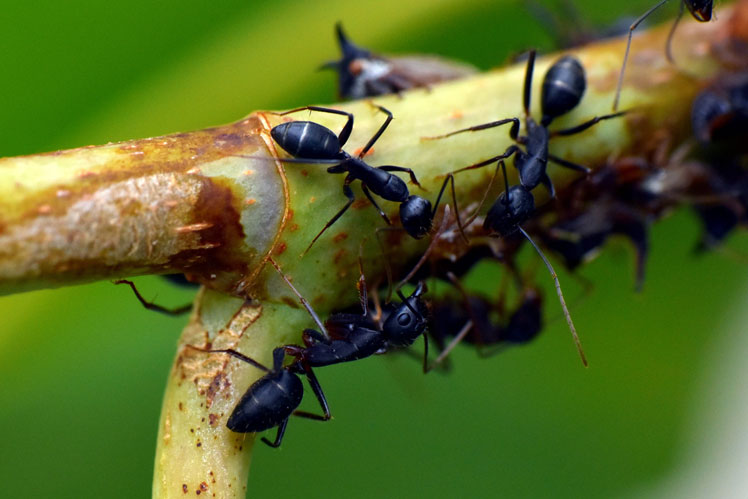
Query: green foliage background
[83,368]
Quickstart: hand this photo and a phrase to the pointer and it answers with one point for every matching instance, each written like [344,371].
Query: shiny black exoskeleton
[719,114]
[701,10]
[272,399]
[309,142]
[563,87]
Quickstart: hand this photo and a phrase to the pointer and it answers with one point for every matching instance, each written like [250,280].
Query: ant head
[408,320]
[701,10]
[416,216]
[512,209]
[563,87]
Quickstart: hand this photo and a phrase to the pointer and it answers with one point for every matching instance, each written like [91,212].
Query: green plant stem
[195,203]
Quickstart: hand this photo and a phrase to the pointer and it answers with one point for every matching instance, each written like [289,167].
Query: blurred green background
[658,413]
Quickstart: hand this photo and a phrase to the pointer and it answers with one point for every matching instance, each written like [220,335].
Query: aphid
[474,314]
[701,10]
[364,74]
[310,142]
[563,87]
[579,238]
[513,208]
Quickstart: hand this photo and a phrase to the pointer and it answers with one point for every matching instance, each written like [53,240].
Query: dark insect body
[563,87]
[312,143]
[701,10]
[472,317]
[363,74]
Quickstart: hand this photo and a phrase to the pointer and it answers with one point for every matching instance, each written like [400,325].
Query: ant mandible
[701,10]
[563,87]
[312,143]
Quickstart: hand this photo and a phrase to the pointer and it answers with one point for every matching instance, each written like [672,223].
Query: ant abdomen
[563,87]
[306,139]
[267,403]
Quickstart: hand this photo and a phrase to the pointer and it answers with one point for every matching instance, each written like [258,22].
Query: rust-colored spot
[290,215]
[203,486]
[185,489]
[180,406]
[280,248]
[455,115]
[212,419]
[250,201]
[360,203]
[290,302]
[340,237]
[44,209]
[304,173]
[85,174]
[368,153]
[214,387]
[312,199]
[293,228]
[339,255]
[248,172]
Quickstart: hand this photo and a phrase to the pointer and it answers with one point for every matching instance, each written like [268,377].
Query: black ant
[272,399]
[701,10]
[563,87]
[514,207]
[310,142]
[364,74]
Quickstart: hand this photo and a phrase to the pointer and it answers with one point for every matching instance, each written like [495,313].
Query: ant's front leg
[513,131]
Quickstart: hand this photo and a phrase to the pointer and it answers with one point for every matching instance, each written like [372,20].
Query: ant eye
[403,319]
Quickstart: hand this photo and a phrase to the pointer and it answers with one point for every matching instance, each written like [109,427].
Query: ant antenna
[234,354]
[303,301]
[429,249]
[554,276]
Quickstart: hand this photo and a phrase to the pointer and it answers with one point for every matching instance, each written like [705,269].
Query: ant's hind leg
[317,389]
[153,306]
[278,436]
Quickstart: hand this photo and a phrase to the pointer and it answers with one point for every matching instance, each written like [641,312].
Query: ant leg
[669,43]
[513,132]
[303,300]
[587,124]
[237,355]
[452,344]
[568,164]
[363,293]
[317,389]
[278,436]
[345,133]
[510,151]
[628,48]
[450,177]
[560,294]
[428,251]
[152,306]
[528,82]
[390,168]
[379,133]
[351,198]
[546,181]
[374,203]
[387,268]
[426,367]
